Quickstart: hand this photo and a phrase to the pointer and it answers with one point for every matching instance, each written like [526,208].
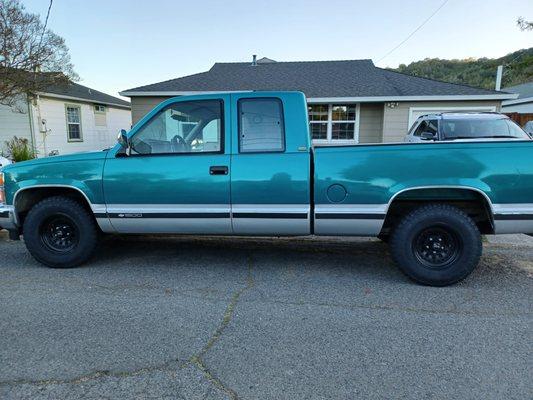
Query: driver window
[183,127]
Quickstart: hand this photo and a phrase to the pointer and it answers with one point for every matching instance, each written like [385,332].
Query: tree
[475,72]
[32,57]
[524,25]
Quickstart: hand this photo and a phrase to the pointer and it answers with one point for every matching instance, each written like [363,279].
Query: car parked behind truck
[243,164]
[457,126]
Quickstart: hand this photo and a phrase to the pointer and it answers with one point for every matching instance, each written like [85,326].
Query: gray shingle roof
[350,78]
[78,91]
[524,90]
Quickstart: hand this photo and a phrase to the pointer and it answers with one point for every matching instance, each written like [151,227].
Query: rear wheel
[436,245]
[60,233]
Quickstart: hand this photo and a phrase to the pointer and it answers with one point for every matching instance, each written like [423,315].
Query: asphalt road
[186,318]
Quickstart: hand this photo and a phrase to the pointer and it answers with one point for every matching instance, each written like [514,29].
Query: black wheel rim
[59,233]
[437,247]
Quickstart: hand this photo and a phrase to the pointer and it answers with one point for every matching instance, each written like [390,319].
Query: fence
[519,118]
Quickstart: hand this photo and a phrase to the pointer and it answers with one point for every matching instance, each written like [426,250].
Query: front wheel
[60,233]
[436,245]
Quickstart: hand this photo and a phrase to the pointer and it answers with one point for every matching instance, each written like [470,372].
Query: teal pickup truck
[243,164]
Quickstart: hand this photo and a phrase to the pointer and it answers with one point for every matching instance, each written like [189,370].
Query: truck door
[270,178]
[177,178]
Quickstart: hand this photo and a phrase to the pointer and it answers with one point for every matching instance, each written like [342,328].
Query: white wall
[14,121]
[524,108]
[94,137]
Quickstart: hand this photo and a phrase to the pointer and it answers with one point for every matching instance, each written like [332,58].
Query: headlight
[2,192]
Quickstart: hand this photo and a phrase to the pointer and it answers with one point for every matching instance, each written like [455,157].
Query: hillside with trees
[518,68]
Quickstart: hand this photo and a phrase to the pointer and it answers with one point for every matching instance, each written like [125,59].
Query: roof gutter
[133,93]
[495,96]
[59,96]
[501,96]
[518,101]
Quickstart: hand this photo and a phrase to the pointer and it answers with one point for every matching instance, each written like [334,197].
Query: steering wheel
[178,144]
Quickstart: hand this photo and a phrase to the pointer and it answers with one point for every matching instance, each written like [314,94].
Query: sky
[120,44]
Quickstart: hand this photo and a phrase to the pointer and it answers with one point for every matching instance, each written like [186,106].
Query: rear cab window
[261,125]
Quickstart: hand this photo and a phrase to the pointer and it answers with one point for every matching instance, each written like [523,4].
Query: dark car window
[421,128]
[427,126]
[432,126]
[413,127]
[481,128]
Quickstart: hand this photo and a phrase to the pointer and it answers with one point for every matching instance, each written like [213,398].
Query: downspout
[32,127]
[40,119]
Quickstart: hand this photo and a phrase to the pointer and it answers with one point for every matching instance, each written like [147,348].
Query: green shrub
[20,149]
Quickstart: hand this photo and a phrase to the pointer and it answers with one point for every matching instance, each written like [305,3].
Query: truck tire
[384,238]
[60,233]
[436,245]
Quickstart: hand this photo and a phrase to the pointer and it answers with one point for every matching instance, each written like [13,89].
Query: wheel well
[27,198]
[470,201]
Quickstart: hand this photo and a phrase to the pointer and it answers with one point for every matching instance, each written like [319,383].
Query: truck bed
[361,181]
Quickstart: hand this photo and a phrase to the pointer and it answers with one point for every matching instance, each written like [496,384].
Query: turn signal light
[2,193]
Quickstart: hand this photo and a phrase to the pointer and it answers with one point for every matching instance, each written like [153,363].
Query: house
[520,109]
[65,119]
[349,101]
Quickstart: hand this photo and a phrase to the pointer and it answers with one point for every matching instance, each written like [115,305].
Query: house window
[100,117]
[74,123]
[334,123]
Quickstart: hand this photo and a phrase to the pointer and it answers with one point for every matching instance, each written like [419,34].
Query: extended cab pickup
[242,164]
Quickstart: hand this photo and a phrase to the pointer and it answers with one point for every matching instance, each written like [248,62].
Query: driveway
[211,318]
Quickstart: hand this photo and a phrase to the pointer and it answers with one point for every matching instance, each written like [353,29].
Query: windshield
[528,127]
[481,129]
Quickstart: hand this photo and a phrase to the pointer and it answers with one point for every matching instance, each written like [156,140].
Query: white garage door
[415,112]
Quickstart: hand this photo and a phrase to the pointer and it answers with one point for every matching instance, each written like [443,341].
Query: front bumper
[7,217]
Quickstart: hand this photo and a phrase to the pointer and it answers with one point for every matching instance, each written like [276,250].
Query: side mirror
[427,136]
[122,138]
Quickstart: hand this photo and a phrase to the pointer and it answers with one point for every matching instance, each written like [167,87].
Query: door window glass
[421,128]
[432,126]
[183,127]
[261,125]
[427,126]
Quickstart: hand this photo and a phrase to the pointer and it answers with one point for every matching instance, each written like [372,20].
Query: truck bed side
[356,186]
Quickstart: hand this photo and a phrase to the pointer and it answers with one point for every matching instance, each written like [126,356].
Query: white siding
[94,137]
[14,122]
[371,123]
[140,106]
[396,120]
[524,108]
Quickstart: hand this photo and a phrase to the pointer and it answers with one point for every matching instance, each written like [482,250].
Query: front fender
[84,176]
